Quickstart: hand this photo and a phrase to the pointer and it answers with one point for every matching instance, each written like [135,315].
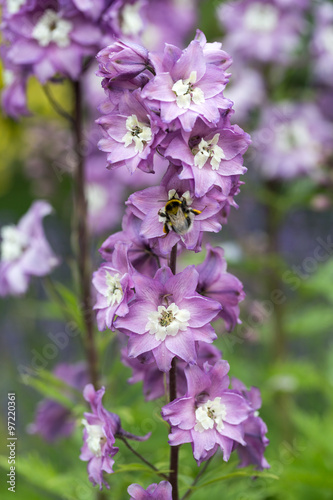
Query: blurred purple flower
[292,139]
[210,415]
[53,420]
[263,30]
[51,41]
[161,491]
[255,430]
[25,251]
[167,317]
[322,42]
[215,282]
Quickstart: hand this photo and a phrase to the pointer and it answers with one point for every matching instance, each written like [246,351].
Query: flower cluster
[168,111]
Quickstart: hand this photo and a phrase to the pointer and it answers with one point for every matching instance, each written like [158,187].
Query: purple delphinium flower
[263,30]
[322,42]
[145,369]
[101,429]
[186,86]
[195,215]
[25,251]
[215,282]
[14,99]
[168,317]
[127,18]
[210,415]
[161,491]
[99,437]
[114,285]
[292,139]
[51,41]
[53,420]
[122,60]
[213,52]
[255,430]
[210,156]
[140,253]
[129,134]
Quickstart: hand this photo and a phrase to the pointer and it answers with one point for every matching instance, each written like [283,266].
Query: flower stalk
[82,242]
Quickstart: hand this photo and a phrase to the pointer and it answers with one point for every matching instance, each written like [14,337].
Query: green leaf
[50,391]
[239,473]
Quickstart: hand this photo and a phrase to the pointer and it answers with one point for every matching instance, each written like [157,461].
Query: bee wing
[179,222]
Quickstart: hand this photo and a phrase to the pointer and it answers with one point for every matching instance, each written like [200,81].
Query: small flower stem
[137,454]
[196,479]
[56,106]
[174,451]
[82,243]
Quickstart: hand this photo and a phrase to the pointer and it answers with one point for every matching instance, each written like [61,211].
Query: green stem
[82,248]
[137,454]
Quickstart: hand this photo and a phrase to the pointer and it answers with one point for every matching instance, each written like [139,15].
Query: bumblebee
[177,214]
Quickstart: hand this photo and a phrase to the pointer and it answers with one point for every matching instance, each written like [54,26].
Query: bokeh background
[278,243]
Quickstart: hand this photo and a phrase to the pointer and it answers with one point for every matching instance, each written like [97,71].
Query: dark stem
[173,259]
[82,242]
[195,481]
[137,454]
[174,451]
[56,106]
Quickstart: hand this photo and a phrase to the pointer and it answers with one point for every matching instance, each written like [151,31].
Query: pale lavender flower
[202,214]
[186,86]
[210,156]
[50,41]
[292,139]
[210,415]
[127,18]
[53,420]
[101,427]
[215,282]
[161,491]
[114,285]
[263,30]
[168,317]
[25,251]
[129,134]
[255,430]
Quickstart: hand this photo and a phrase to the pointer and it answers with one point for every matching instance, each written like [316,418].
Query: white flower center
[13,243]
[167,321]
[114,293]
[131,21]
[327,38]
[97,197]
[137,132]
[293,135]
[8,77]
[13,6]
[186,93]
[52,28]
[96,438]
[261,17]
[209,415]
[208,150]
